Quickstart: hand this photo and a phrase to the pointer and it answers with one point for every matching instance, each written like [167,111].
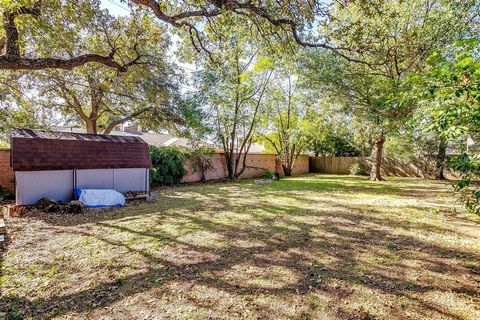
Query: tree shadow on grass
[334,252]
[343,243]
[359,185]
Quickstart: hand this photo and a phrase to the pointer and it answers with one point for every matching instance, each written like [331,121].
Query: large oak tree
[99,97]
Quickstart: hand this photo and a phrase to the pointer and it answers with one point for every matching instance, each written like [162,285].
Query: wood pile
[130,195]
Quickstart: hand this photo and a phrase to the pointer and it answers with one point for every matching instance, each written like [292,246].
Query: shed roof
[59,135]
[36,150]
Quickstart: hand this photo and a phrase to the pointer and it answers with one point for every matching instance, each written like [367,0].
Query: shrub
[468,166]
[356,169]
[168,166]
[5,194]
[269,174]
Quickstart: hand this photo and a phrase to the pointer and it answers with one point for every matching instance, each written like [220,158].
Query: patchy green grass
[309,247]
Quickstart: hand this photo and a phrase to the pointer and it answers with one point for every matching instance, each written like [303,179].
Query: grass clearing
[308,247]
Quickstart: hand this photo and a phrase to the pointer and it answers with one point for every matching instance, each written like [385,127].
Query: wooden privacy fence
[341,165]
[334,165]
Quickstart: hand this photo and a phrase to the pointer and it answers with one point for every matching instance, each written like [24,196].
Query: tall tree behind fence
[341,165]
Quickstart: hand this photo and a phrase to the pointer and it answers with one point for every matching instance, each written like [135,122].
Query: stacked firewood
[135,194]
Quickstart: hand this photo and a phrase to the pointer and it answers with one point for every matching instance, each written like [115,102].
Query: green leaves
[15,4]
[453,84]
[453,105]
[93,93]
[168,165]
[262,64]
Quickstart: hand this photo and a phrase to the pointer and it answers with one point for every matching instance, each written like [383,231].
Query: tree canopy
[315,24]
[101,97]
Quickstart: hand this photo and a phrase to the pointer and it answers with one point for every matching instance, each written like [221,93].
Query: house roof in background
[160,139]
[154,139]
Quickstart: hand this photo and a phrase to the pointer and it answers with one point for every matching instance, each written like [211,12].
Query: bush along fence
[168,165]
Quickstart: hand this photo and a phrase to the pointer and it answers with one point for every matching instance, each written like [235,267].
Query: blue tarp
[100,198]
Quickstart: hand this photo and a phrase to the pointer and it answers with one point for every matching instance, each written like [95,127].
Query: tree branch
[3,41]
[238,7]
[21,63]
[115,123]
[12,59]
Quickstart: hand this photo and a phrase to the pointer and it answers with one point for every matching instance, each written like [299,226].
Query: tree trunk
[12,49]
[442,152]
[91,126]
[376,159]
[230,167]
[287,170]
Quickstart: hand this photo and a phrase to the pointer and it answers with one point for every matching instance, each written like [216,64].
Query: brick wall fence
[6,172]
[257,165]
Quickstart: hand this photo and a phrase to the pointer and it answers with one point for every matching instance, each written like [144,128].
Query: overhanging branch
[22,63]
[13,60]
[217,7]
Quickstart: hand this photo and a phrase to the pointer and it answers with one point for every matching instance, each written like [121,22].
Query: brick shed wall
[258,164]
[6,172]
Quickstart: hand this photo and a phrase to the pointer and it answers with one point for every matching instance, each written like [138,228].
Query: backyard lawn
[308,247]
